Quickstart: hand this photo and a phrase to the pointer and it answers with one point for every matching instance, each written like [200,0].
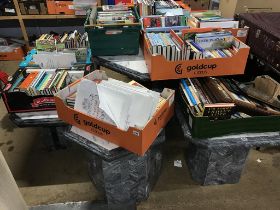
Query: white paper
[139,66]
[178,163]
[135,107]
[97,140]
[115,103]
[87,101]
[55,60]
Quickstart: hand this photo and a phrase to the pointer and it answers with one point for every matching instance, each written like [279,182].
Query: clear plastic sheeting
[220,160]
[125,178]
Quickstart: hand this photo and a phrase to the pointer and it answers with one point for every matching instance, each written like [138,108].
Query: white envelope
[116,103]
[87,101]
[142,101]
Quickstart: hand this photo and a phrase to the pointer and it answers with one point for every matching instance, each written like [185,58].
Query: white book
[222,24]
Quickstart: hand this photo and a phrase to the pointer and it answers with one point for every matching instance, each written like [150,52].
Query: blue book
[40,81]
[188,92]
[16,83]
[197,46]
[111,2]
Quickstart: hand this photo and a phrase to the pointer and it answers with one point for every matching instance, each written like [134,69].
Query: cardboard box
[60,7]
[134,139]
[16,55]
[38,7]
[22,102]
[198,4]
[162,69]
[231,7]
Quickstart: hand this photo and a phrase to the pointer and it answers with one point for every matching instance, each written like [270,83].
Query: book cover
[28,80]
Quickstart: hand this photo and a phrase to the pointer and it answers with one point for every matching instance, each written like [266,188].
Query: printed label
[196,69]
[95,127]
[71,6]
[43,101]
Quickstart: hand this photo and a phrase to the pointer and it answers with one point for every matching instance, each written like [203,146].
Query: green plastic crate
[204,127]
[112,39]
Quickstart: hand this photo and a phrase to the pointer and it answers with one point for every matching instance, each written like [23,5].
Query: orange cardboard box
[16,55]
[60,7]
[134,139]
[162,69]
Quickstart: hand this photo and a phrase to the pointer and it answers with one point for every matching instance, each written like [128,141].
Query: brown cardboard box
[231,7]
[198,4]
[134,139]
[60,7]
[33,7]
[196,68]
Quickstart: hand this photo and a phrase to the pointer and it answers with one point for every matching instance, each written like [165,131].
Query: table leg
[221,164]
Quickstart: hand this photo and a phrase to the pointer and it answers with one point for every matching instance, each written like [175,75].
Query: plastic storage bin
[114,39]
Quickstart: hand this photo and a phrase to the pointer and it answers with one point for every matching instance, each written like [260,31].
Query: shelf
[8,17]
[28,17]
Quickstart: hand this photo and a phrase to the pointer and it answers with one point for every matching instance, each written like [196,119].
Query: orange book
[28,80]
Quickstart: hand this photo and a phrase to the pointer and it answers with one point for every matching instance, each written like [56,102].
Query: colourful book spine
[28,80]
[186,87]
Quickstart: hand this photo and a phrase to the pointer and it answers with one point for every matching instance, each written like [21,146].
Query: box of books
[113,30]
[33,89]
[126,114]
[214,19]
[218,106]
[159,7]
[82,56]
[194,53]
[57,42]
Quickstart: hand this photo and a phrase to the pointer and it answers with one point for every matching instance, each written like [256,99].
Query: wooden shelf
[28,17]
[8,17]
[21,19]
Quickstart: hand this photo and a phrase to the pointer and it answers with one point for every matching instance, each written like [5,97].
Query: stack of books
[203,101]
[40,82]
[155,21]
[146,7]
[170,6]
[112,15]
[221,99]
[192,47]
[211,18]
[51,42]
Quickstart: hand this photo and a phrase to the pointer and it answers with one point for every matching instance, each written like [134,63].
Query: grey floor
[46,177]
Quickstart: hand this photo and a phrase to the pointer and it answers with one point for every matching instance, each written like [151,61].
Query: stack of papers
[118,103]
[115,102]
[127,105]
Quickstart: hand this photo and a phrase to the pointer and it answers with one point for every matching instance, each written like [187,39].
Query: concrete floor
[59,176]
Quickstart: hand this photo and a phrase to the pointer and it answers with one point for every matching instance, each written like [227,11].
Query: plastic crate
[114,39]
